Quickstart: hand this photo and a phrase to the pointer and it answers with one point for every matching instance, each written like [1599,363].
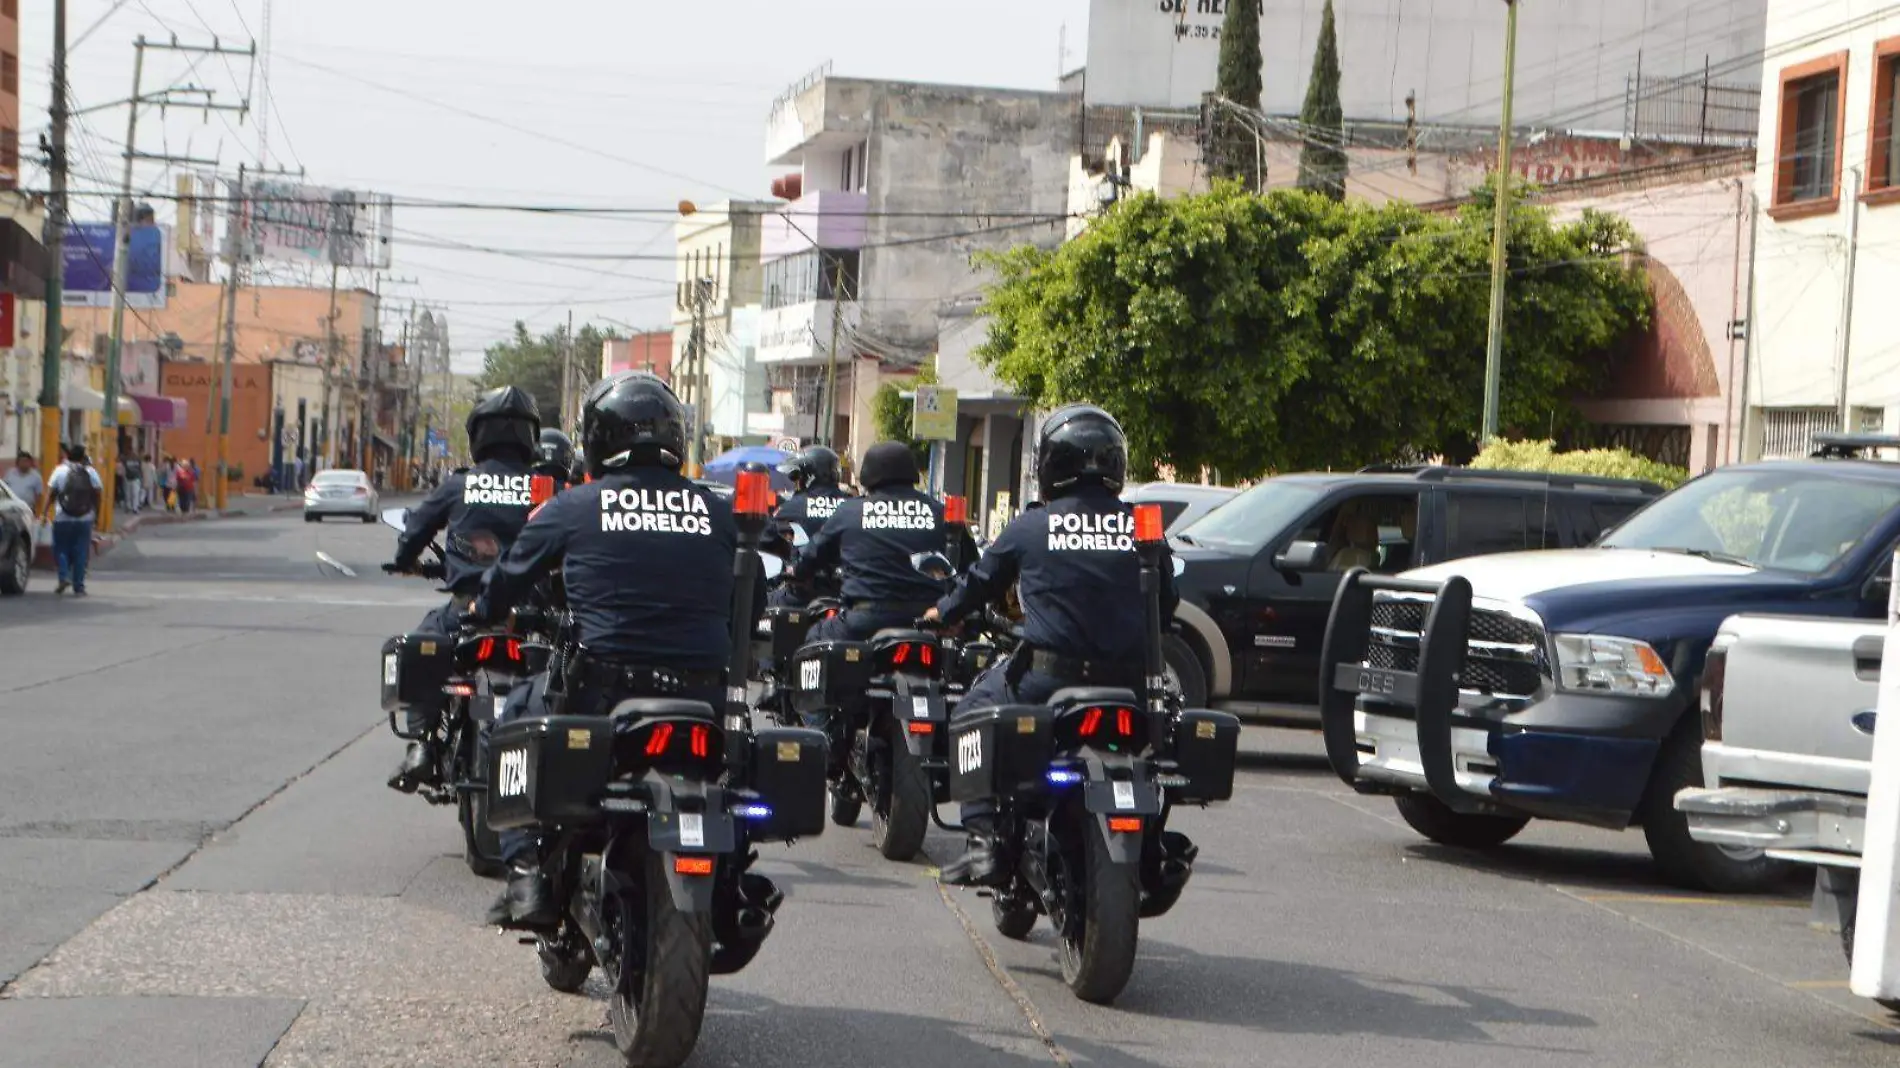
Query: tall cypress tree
[1323,163]
[1238,80]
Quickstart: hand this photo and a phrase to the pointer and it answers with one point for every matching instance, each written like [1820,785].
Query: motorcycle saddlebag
[789,627]
[415,668]
[788,774]
[829,675]
[1205,748]
[548,771]
[1001,751]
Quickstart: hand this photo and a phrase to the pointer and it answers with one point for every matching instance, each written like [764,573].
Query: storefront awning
[165,413]
[79,398]
[384,440]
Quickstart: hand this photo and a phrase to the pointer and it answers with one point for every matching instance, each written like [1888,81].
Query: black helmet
[632,418]
[1080,443]
[888,463]
[504,420]
[556,455]
[816,466]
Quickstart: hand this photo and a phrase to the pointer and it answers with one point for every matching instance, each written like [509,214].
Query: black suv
[1258,574]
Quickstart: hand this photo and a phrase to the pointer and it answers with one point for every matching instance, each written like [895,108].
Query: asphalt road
[200,866]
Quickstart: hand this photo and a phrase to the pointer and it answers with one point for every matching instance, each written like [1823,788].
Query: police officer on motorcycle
[482,508]
[815,473]
[554,457]
[872,539]
[1078,577]
[647,558]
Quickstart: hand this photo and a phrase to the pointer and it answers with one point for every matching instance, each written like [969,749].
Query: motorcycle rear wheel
[1098,947]
[656,1012]
[481,846]
[898,826]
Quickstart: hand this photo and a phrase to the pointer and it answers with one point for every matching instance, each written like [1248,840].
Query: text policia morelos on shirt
[481,488]
[676,511]
[1072,531]
[899,515]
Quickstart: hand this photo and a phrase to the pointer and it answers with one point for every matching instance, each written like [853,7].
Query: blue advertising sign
[88,267]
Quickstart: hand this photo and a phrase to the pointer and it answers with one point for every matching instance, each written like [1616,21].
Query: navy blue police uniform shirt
[811,509]
[647,560]
[483,509]
[1078,577]
[871,540]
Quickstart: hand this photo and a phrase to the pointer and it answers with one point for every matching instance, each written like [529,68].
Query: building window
[9,74]
[1808,151]
[10,8]
[9,149]
[810,276]
[1883,148]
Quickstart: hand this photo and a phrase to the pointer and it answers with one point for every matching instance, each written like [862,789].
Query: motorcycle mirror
[799,537]
[772,566]
[1180,567]
[934,565]
[396,517]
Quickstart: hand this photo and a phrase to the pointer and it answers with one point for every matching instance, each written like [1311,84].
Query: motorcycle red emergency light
[697,865]
[956,509]
[540,489]
[1148,525]
[754,496]
[661,737]
[1125,824]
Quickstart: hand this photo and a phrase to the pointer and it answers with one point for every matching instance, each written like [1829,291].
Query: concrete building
[1824,323]
[650,350]
[23,263]
[718,287]
[896,186]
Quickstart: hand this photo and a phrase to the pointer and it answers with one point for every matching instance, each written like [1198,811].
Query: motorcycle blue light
[752,812]
[1064,777]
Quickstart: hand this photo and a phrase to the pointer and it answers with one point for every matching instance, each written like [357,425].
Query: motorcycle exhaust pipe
[1163,882]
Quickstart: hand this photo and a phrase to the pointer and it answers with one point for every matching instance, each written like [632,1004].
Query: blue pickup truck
[1484,693]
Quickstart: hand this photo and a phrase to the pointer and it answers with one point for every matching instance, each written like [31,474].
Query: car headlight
[1591,663]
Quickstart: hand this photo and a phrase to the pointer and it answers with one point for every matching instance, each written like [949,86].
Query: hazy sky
[628,103]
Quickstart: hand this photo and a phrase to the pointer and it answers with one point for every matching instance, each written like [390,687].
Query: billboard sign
[934,414]
[293,223]
[88,266]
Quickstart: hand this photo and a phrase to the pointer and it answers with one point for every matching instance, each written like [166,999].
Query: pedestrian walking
[23,478]
[134,483]
[185,484]
[74,503]
[167,473]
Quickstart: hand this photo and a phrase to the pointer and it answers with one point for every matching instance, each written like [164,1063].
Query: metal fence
[1693,110]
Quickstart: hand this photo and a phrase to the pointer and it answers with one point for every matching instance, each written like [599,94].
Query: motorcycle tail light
[1125,824]
[694,865]
[459,689]
[917,727]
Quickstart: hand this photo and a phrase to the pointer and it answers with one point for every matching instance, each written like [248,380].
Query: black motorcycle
[476,672]
[647,818]
[1083,787]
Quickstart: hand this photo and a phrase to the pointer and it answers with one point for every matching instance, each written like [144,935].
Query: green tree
[1289,331]
[1237,79]
[890,411]
[1323,162]
[534,363]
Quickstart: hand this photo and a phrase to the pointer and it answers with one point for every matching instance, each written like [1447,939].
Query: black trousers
[427,715]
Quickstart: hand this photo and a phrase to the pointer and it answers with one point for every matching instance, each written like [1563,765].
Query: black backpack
[77,495]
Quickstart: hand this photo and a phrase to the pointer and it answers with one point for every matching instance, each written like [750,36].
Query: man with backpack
[74,492]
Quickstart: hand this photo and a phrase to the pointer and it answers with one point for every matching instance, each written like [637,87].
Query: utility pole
[831,358]
[122,236]
[695,376]
[50,369]
[1847,294]
[567,373]
[1500,231]
[329,374]
[230,341]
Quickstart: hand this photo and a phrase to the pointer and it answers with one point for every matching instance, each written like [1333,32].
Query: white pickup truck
[1788,724]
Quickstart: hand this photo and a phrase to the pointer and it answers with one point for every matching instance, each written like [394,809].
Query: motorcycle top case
[548,771]
[415,668]
[789,627]
[788,773]
[1206,745]
[1001,751]
[828,675]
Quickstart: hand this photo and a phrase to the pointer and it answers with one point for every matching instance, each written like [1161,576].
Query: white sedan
[340,492]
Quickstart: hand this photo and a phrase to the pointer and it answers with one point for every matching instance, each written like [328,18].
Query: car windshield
[336,478]
[1789,519]
[1252,519]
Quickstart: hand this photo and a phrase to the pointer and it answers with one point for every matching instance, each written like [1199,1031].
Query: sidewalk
[125,525]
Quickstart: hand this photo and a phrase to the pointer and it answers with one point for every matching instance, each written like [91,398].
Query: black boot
[418,769]
[978,866]
[527,903]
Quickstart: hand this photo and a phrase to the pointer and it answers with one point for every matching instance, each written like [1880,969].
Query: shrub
[1602,463]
